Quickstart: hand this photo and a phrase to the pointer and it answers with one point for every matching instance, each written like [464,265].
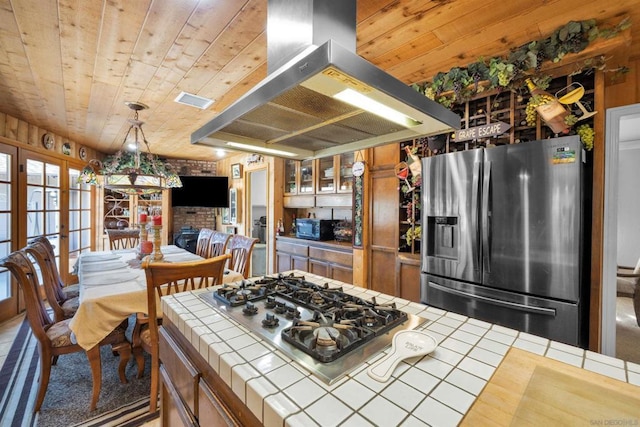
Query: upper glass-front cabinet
[326,175]
[345,175]
[306,177]
[290,176]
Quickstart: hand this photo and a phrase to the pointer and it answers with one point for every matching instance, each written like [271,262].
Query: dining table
[113,287]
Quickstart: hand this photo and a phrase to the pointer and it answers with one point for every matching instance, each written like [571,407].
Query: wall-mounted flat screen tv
[202,191]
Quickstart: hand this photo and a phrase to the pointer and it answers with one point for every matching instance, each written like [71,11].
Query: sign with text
[484,131]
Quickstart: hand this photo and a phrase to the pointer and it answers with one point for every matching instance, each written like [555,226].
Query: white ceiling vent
[193,100]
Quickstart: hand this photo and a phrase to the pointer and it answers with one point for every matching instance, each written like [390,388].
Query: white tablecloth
[110,291]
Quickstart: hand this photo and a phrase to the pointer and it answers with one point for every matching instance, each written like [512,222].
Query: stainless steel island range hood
[320,98]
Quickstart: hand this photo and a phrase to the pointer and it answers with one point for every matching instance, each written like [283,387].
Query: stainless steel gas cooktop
[324,329]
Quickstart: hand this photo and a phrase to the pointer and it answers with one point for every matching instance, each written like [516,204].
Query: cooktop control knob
[292,312]
[270,321]
[250,309]
[271,302]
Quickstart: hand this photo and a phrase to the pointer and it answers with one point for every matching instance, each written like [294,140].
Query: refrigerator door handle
[502,303]
[486,217]
[475,205]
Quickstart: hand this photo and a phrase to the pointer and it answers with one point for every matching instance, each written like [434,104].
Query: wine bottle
[549,109]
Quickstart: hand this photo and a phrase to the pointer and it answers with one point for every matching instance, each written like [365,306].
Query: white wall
[629,207]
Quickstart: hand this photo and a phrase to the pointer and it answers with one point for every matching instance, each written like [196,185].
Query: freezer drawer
[551,319]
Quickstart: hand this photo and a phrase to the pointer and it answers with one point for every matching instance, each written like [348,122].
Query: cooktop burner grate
[322,327]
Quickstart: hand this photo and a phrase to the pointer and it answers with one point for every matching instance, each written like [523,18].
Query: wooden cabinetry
[331,260]
[325,182]
[191,393]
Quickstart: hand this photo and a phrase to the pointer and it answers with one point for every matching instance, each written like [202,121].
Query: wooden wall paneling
[11,130]
[3,124]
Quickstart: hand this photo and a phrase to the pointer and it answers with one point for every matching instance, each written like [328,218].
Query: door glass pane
[34,198]
[74,220]
[5,197]
[35,224]
[86,198]
[86,238]
[53,175]
[52,198]
[74,199]
[5,226]
[53,219]
[5,284]
[5,167]
[74,241]
[35,172]
[86,218]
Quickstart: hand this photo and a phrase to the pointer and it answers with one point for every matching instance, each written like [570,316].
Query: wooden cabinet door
[283,261]
[173,412]
[299,263]
[342,273]
[320,268]
[211,410]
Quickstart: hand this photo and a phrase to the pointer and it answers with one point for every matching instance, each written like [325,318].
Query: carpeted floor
[627,331]
[67,400]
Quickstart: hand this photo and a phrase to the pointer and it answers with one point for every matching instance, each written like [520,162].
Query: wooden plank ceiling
[68,66]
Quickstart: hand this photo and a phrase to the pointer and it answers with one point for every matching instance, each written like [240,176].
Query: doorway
[623,133]
[258,219]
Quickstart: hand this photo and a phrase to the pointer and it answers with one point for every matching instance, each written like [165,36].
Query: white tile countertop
[437,389]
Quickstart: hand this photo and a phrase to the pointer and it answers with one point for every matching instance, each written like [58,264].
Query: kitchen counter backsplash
[437,389]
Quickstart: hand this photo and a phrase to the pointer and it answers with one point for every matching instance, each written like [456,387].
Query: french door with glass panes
[40,196]
[10,303]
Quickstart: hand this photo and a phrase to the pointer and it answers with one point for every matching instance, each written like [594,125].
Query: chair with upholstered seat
[240,248]
[217,244]
[54,338]
[628,285]
[165,278]
[63,306]
[123,239]
[69,291]
[202,246]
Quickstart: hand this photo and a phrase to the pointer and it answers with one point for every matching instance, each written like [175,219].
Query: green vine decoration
[460,84]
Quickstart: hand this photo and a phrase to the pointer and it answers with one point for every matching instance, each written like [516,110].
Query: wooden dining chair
[69,291]
[63,307]
[240,248]
[54,338]
[217,244]
[123,239]
[202,246]
[165,278]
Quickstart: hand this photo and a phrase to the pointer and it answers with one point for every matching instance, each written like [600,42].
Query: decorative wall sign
[66,148]
[484,131]
[82,153]
[255,158]
[358,207]
[236,170]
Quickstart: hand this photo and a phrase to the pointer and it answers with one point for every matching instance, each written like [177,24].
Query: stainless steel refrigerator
[503,236]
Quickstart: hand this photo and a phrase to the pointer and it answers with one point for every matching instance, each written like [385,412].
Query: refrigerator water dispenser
[442,236]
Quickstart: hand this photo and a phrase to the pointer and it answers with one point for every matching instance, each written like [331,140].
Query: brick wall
[193,216]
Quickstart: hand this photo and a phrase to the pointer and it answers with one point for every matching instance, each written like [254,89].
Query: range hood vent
[320,98]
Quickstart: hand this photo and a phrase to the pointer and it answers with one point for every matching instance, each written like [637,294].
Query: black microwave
[314,229]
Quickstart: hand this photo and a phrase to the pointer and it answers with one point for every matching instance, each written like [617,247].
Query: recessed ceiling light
[193,100]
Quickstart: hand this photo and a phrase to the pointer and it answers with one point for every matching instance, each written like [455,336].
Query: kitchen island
[217,370]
